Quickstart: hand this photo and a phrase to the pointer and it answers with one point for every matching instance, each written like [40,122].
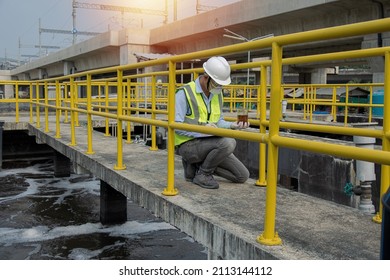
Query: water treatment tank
[377,98]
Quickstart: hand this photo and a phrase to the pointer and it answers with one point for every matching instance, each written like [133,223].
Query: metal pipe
[365,174]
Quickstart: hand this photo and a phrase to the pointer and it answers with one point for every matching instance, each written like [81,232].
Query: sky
[19,21]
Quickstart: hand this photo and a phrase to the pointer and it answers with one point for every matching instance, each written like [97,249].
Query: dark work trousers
[214,155]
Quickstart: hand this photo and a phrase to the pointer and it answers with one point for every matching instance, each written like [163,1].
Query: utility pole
[74,23]
[39,46]
[236,36]
[73,32]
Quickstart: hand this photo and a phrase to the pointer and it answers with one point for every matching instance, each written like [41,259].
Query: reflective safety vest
[198,113]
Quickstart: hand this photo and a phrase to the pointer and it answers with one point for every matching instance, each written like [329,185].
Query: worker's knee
[228,144]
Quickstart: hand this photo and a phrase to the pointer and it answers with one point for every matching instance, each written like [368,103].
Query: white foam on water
[31,190]
[11,236]
[49,188]
[85,254]
[35,169]
[89,186]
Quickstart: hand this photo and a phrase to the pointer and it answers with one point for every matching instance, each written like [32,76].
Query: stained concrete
[228,220]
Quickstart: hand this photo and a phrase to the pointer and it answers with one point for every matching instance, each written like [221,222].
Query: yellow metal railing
[73,96]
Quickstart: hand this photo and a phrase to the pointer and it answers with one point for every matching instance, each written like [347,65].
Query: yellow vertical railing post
[31,100]
[99,97]
[294,99]
[107,120]
[259,96]
[385,169]
[262,182]
[89,115]
[58,110]
[233,97]
[346,105]
[59,98]
[311,97]
[46,91]
[16,102]
[244,97]
[66,102]
[170,189]
[269,236]
[119,165]
[72,113]
[76,102]
[128,112]
[314,98]
[37,106]
[370,102]
[137,97]
[231,105]
[334,106]
[250,98]
[305,103]
[153,146]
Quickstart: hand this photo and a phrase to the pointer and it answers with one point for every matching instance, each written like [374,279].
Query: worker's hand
[239,125]
[212,125]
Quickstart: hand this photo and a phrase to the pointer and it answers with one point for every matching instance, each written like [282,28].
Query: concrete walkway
[227,220]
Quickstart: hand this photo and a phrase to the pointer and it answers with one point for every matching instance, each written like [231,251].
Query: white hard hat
[218,69]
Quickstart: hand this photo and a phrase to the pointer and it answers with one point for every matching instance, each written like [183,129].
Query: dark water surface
[43,217]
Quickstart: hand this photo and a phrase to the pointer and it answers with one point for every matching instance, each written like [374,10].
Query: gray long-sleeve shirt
[182,108]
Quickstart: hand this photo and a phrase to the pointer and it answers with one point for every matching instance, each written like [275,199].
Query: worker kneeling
[200,102]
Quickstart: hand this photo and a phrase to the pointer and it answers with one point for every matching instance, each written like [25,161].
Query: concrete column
[42,73]
[61,165]
[318,76]
[68,67]
[9,91]
[113,205]
[376,63]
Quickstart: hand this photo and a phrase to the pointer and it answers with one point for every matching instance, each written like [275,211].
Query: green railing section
[149,98]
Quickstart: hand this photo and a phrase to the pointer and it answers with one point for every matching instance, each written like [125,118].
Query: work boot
[189,170]
[206,181]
